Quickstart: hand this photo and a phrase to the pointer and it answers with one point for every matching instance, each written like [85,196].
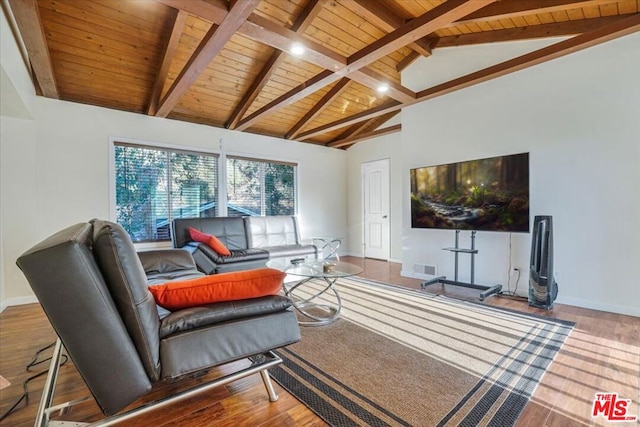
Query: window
[155,185]
[258,188]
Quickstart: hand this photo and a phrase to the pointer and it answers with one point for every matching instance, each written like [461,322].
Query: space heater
[543,288]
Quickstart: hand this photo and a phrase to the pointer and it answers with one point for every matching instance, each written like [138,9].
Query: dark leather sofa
[93,287]
[251,240]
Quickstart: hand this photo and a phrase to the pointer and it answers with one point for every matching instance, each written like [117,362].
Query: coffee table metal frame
[310,269]
[328,244]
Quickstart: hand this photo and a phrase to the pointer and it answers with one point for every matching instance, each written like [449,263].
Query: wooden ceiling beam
[600,35]
[409,59]
[325,78]
[272,34]
[513,9]
[376,122]
[364,136]
[212,10]
[384,18]
[370,78]
[264,31]
[318,108]
[371,113]
[267,32]
[275,35]
[353,130]
[417,28]
[316,83]
[436,18]
[303,22]
[299,92]
[167,58]
[568,28]
[211,45]
[27,17]
[603,34]
[366,125]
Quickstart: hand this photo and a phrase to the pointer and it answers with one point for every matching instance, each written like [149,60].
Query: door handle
[384,217]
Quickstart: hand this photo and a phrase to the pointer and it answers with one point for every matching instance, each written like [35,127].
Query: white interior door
[375,190]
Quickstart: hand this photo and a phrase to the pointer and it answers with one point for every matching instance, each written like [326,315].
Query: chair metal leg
[42,417]
[260,363]
[266,379]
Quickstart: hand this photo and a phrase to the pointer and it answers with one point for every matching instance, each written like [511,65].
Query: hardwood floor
[601,355]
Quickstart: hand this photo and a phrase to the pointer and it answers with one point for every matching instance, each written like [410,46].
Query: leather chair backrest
[229,230]
[265,231]
[68,283]
[127,282]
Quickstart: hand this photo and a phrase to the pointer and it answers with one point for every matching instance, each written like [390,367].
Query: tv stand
[486,290]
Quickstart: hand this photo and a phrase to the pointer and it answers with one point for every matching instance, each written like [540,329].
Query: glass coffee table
[318,312]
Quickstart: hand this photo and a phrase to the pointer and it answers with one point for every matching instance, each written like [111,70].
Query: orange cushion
[212,241]
[218,287]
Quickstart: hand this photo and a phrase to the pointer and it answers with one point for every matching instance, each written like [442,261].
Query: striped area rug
[406,358]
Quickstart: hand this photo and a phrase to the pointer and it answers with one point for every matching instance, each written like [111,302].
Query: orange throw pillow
[218,287]
[212,241]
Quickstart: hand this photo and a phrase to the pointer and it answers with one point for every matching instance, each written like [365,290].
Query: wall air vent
[425,269]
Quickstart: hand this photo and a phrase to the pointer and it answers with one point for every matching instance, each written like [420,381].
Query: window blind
[155,185]
[258,187]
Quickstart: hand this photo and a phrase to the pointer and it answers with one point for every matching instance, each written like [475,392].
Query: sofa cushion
[240,255]
[190,351]
[209,240]
[264,231]
[229,230]
[290,250]
[167,261]
[219,287]
[197,317]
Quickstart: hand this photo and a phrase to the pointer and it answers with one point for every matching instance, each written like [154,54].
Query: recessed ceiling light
[297,49]
[383,88]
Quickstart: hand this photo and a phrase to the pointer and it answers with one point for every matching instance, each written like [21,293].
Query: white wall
[57,169]
[578,117]
[18,93]
[16,102]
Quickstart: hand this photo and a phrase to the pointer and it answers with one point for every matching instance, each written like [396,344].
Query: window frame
[221,154]
[168,153]
[243,156]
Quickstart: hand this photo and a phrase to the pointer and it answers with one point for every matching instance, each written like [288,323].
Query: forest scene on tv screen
[486,195]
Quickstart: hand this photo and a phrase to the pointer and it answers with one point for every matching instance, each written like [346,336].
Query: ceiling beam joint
[212,43]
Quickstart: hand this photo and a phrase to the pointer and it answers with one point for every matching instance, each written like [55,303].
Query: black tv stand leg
[486,290]
[493,290]
[426,283]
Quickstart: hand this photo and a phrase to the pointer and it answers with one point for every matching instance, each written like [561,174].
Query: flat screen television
[489,194]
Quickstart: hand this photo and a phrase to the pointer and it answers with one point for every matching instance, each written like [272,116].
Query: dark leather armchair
[92,286]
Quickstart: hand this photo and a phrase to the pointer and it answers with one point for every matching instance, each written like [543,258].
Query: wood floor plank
[602,354]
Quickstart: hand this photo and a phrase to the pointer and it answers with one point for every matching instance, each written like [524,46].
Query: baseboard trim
[414,275]
[361,255]
[9,302]
[358,255]
[576,302]
[591,305]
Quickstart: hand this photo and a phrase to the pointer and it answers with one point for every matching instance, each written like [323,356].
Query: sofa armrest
[166,261]
[201,257]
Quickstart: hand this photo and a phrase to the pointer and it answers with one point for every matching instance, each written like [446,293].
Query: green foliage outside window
[256,187]
[155,185]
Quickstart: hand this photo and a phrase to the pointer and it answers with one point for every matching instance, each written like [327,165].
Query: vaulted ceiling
[230,63]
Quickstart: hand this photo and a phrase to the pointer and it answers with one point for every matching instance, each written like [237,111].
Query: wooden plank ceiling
[229,64]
